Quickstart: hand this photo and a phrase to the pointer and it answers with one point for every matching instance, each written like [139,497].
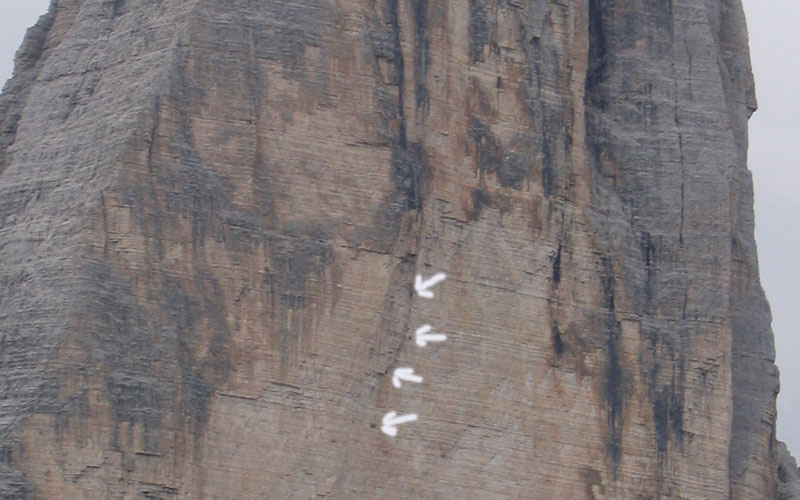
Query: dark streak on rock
[298,254]
[661,421]
[133,347]
[303,253]
[558,340]
[393,18]
[598,50]
[649,257]
[14,484]
[614,376]
[117,8]
[608,292]
[421,43]
[592,479]
[666,393]
[547,178]
[142,389]
[482,27]
[514,168]
[549,139]
[410,171]
[285,29]
[557,267]
[547,155]
[480,198]
[490,156]
[667,401]
[511,168]
[675,412]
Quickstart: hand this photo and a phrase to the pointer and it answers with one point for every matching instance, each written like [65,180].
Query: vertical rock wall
[211,217]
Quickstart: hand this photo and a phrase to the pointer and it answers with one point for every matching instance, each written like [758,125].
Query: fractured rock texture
[788,475]
[212,213]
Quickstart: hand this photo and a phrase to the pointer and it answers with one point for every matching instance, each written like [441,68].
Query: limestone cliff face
[212,214]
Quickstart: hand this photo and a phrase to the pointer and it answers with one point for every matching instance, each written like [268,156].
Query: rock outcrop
[788,475]
[212,215]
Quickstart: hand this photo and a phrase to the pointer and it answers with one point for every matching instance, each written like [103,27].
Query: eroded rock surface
[212,213]
[788,475]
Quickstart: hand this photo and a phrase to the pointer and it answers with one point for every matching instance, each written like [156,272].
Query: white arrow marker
[406,374]
[423,337]
[391,419]
[422,286]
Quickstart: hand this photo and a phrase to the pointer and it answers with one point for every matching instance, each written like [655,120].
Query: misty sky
[774,154]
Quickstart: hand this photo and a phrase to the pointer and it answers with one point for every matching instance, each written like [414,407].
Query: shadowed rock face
[212,213]
[788,475]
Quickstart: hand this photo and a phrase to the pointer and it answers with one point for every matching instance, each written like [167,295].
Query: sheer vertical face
[215,217]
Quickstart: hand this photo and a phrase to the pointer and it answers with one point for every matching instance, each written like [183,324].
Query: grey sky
[774,152]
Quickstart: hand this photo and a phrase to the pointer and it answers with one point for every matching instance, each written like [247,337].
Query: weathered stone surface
[212,213]
[788,475]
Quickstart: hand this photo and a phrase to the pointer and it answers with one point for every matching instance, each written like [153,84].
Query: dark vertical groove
[422,46]
[399,70]
[557,267]
[613,377]
[597,47]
